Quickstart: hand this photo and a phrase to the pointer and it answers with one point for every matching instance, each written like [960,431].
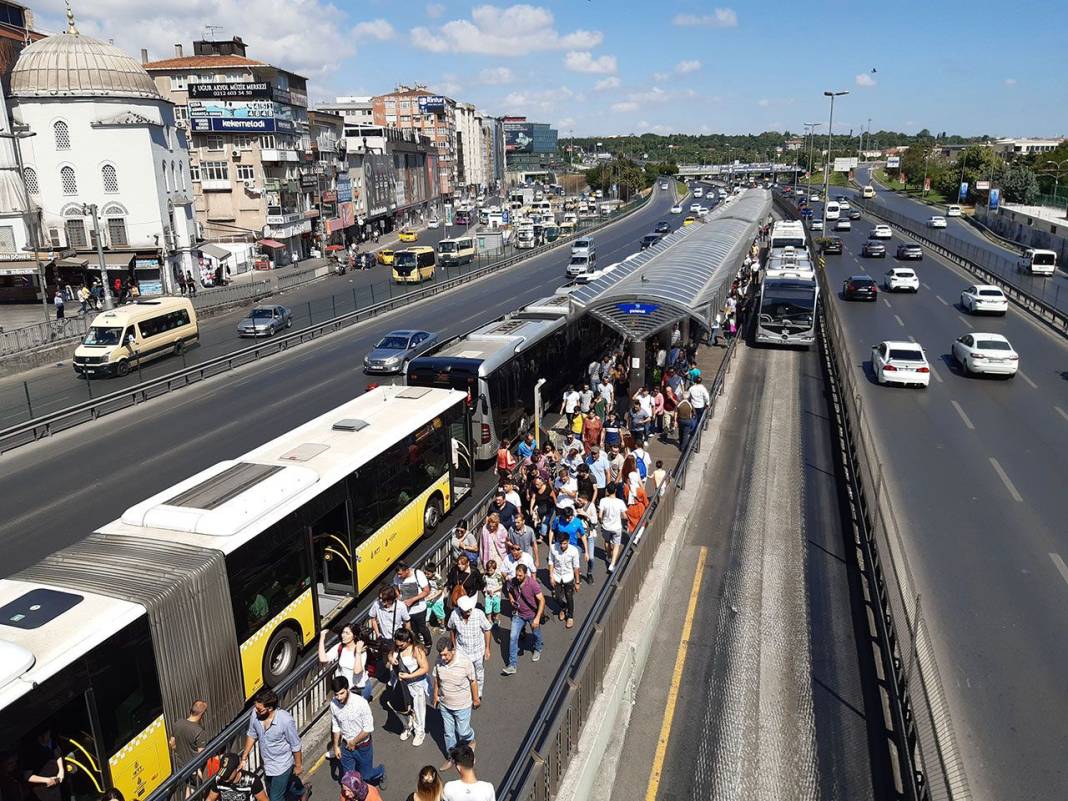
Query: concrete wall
[1022,225]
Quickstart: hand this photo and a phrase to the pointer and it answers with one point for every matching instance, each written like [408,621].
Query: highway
[976,469]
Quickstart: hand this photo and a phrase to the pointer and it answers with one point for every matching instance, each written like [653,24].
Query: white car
[676,209]
[815,225]
[843,224]
[984,298]
[986,353]
[953,210]
[814,197]
[900,363]
[843,205]
[433,222]
[936,221]
[901,279]
[881,232]
[695,208]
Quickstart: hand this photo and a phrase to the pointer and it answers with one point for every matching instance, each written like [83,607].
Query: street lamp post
[90,210]
[811,128]
[1056,174]
[827,161]
[18,133]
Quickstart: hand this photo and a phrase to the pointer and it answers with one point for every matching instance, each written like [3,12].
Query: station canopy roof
[681,276]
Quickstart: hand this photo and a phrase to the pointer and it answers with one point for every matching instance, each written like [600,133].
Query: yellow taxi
[407,236]
[385,256]
[689,221]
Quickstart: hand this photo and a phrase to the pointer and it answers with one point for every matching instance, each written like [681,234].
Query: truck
[521,196]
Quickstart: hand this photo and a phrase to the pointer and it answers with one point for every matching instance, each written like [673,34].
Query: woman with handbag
[413,669]
[464,579]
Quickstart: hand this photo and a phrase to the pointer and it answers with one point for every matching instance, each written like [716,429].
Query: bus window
[335,580]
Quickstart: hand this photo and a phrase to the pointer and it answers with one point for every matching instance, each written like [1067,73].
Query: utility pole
[18,133]
[827,161]
[90,209]
[811,128]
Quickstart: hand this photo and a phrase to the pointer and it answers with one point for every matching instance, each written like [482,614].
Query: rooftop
[195,62]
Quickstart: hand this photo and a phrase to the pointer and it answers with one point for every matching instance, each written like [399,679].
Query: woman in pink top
[658,411]
[493,544]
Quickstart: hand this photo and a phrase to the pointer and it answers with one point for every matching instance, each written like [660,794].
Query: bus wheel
[432,514]
[123,368]
[280,657]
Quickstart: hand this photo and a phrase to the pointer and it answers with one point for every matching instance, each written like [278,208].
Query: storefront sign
[344,188]
[228,125]
[287,231]
[146,264]
[309,181]
[329,196]
[231,90]
[282,219]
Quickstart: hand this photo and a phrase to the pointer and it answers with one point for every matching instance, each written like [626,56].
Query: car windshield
[990,293]
[393,342]
[446,247]
[861,282]
[101,335]
[992,344]
[582,244]
[261,314]
[579,260]
[902,355]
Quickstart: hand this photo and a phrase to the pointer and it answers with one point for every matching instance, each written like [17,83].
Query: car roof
[985,335]
[908,245]
[987,286]
[901,343]
[403,332]
[902,270]
[860,276]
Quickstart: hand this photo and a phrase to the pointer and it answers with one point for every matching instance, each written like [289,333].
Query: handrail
[60,420]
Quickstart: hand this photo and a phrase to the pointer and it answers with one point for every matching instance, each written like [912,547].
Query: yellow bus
[413,265]
[212,588]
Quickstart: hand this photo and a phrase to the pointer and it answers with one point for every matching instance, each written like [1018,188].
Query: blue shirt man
[527,448]
[570,525]
[280,748]
[598,464]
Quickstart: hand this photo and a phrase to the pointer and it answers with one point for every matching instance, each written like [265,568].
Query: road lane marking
[1023,375]
[963,320]
[934,372]
[941,301]
[1061,412]
[899,321]
[1062,568]
[928,286]
[887,303]
[1006,481]
[676,680]
[963,416]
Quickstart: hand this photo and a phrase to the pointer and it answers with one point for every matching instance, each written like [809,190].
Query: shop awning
[271,243]
[215,251]
[73,261]
[115,260]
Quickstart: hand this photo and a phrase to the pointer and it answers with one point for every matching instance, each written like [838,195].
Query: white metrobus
[211,588]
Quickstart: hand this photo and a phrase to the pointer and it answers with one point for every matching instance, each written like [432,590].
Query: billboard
[230,90]
[234,109]
[518,137]
[344,188]
[238,116]
[845,164]
[995,199]
[229,125]
[982,185]
[431,104]
[962,195]
[893,162]
[378,182]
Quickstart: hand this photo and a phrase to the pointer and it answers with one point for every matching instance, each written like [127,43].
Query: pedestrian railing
[928,760]
[44,425]
[29,337]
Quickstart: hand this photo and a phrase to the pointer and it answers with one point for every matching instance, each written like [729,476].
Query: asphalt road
[58,490]
[976,468]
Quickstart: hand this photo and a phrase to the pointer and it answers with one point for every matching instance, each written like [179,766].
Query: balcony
[270,154]
[214,185]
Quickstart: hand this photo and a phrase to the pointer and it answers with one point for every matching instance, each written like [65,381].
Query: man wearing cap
[455,695]
[351,727]
[470,630]
[231,783]
[528,605]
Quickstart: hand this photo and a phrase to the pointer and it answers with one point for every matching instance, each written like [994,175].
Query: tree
[975,163]
[1018,183]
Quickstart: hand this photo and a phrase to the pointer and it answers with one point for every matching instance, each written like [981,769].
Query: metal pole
[827,161]
[31,218]
[90,209]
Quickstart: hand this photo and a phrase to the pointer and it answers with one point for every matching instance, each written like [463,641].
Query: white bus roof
[226,505]
[28,656]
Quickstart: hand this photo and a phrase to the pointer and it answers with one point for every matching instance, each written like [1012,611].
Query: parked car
[979,298]
[392,352]
[663,227]
[990,354]
[897,362]
[264,321]
[909,251]
[831,245]
[881,232]
[901,279]
[873,249]
[936,221]
[860,287]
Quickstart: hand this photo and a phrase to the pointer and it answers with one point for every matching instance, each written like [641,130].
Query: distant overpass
[718,170]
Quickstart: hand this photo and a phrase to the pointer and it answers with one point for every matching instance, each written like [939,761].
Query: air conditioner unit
[251,186]
[235,154]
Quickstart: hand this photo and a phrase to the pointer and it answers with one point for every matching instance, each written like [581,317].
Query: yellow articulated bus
[414,265]
[211,589]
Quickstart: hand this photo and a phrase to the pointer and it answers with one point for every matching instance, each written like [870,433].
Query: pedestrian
[505,460]
[585,399]
[60,302]
[586,512]
[181,282]
[492,588]
[189,282]
[503,508]
[465,541]
[613,436]
[516,556]
[464,579]
[467,787]
[456,695]
[570,404]
[413,669]
[45,769]
[188,739]
[717,326]
[670,404]
[658,410]
[528,606]
[234,783]
[685,417]
[564,577]
[659,474]
[429,786]
[638,422]
[470,631]
[349,656]
[494,536]
[83,298]
[699,398]
[592,427]
[280,750]
[352,728]
[612,510]
[413,587]
[354,788]
[542,501]
[527,447]
[522,536]
[388,616]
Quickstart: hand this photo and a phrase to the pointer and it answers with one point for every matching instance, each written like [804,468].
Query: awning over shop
[271,243]
[115,260]
[215,251]
[73,261]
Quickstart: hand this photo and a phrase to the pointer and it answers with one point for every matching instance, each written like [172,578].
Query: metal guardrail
[52,332]
[990,267]
[63,419]
[928,761]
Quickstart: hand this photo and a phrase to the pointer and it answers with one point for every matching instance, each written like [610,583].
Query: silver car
[393,351]
[264,321]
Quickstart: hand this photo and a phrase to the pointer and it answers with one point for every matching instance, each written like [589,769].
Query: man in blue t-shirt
[598,464]
[528,447]
[566,523]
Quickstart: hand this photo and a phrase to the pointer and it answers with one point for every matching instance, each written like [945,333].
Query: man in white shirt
[613,512]
[516,556]
[564,577]
[594,372]
[570,405]
[351,726]
[608,392]
[586,399]
[413,588]
[645,400]
[699,398]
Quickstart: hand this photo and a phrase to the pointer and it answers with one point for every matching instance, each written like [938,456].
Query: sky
[610,67]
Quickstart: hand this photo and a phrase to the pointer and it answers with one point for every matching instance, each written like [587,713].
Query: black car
[831,245]
[860,287]
[364,261]
[649,240]
[663,227]
[909,251]
[873,249]
[854,214]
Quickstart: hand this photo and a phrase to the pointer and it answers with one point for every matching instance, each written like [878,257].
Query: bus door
[335,579]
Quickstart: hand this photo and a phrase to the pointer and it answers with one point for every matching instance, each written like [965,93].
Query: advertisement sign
[844,164]
[518,137]
[344,189]
[230,90]
[995,199]
[431,104]
[893,162]
[449,218]
[378,177]
[329,196]
[236,109]
[982,185]
[962,195]
[206,125]
[637,308]
[927,184]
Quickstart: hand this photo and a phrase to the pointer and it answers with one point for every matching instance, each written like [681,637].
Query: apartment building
[433,116]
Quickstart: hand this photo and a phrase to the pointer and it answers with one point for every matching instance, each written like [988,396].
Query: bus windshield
[444,246]
[787,303]
[405,260]
[103,335]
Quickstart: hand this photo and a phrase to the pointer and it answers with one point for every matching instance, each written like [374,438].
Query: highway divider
[925,752]
[56,421]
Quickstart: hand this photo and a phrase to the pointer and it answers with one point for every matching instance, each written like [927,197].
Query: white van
[868,191]
[127,336]
[1039,262]
[583,246]
[460,250]
[580,264]
[832,210]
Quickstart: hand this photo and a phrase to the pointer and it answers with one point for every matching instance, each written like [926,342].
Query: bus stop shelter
[684,278]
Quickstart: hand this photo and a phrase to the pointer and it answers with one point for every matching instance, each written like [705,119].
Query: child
[494,579]
[435,602]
